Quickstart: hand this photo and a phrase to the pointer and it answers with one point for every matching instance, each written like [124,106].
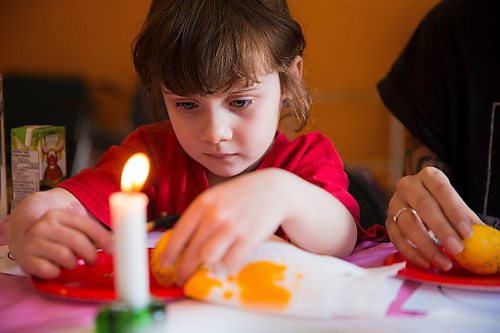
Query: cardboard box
[3,168]
[38,159]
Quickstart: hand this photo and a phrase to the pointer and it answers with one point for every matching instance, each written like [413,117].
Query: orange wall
[90,38]
[351,45]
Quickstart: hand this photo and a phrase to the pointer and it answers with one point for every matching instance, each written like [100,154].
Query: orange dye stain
[228,294]
[299,276]
[258,288]
[200,284]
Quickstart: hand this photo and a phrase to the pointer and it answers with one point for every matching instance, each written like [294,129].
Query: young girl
[224,70]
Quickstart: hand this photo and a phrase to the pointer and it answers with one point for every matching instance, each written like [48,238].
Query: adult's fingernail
[442,261]
[421,262]
[454,246]
[465,229]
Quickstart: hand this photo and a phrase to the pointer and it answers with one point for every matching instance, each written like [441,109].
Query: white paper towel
[281,278]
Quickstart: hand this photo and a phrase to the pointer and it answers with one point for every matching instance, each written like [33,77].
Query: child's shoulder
[157,136]
[163,128]
[160,132]
[306,151]
[313,145]
[303,140]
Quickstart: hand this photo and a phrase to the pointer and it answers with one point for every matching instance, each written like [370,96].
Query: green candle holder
[121,318]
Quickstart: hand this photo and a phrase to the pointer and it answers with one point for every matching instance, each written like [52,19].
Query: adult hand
[434,206]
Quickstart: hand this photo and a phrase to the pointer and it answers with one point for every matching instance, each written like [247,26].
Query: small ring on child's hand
[401,211]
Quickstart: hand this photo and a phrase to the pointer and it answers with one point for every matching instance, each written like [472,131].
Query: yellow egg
[165,276]
[481,254]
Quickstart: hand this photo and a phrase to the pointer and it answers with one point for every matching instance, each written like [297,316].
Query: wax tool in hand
[165,221]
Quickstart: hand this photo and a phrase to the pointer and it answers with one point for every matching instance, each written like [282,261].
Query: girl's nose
[217,129]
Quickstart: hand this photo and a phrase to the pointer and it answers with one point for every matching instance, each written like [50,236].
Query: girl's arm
[316,221]
[228,221]
[48,230]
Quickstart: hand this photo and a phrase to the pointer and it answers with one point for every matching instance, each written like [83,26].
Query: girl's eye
[185,105]
[241,103]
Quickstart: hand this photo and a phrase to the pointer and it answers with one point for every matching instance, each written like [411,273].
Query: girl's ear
[296,69]
[297,66]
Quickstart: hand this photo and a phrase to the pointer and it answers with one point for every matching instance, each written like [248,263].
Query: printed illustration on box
[38,159]
[53,173]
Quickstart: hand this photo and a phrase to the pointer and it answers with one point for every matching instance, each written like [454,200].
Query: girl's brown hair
[200,47]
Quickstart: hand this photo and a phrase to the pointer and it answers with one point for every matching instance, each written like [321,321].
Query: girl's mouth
[220,156]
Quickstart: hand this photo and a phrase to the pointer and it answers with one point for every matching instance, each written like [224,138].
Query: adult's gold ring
[401,211]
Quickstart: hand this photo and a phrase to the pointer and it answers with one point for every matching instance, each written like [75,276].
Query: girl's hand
[221,224]
[44,238]
[55,241]
[438,208]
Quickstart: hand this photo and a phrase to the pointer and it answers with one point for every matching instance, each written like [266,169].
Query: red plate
[95,283]
[457,277]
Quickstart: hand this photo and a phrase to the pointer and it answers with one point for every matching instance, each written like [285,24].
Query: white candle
[128,219]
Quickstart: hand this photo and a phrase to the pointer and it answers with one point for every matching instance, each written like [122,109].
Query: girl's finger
[93,230]
[60,220]
[181,234]
[56,253]
[42,268]
[192,255]
[238,251]
[76,242]
[216,246]
[77,233]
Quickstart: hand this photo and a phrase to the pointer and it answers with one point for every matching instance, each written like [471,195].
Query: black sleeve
[425,82]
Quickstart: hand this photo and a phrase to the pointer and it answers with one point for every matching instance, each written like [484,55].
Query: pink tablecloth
[23,309]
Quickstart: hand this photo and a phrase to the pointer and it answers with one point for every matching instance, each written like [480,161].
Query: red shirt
[176,179]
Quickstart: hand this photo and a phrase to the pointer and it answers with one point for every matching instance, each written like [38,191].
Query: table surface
[23,309]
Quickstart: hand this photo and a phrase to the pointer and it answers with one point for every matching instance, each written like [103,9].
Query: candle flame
[135,172]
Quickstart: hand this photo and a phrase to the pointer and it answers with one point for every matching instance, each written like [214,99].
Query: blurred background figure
[444,88]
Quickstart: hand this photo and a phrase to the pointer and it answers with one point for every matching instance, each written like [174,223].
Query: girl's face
[228,133]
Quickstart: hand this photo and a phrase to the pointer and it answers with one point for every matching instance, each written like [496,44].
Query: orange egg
[481,254]
[164,275]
